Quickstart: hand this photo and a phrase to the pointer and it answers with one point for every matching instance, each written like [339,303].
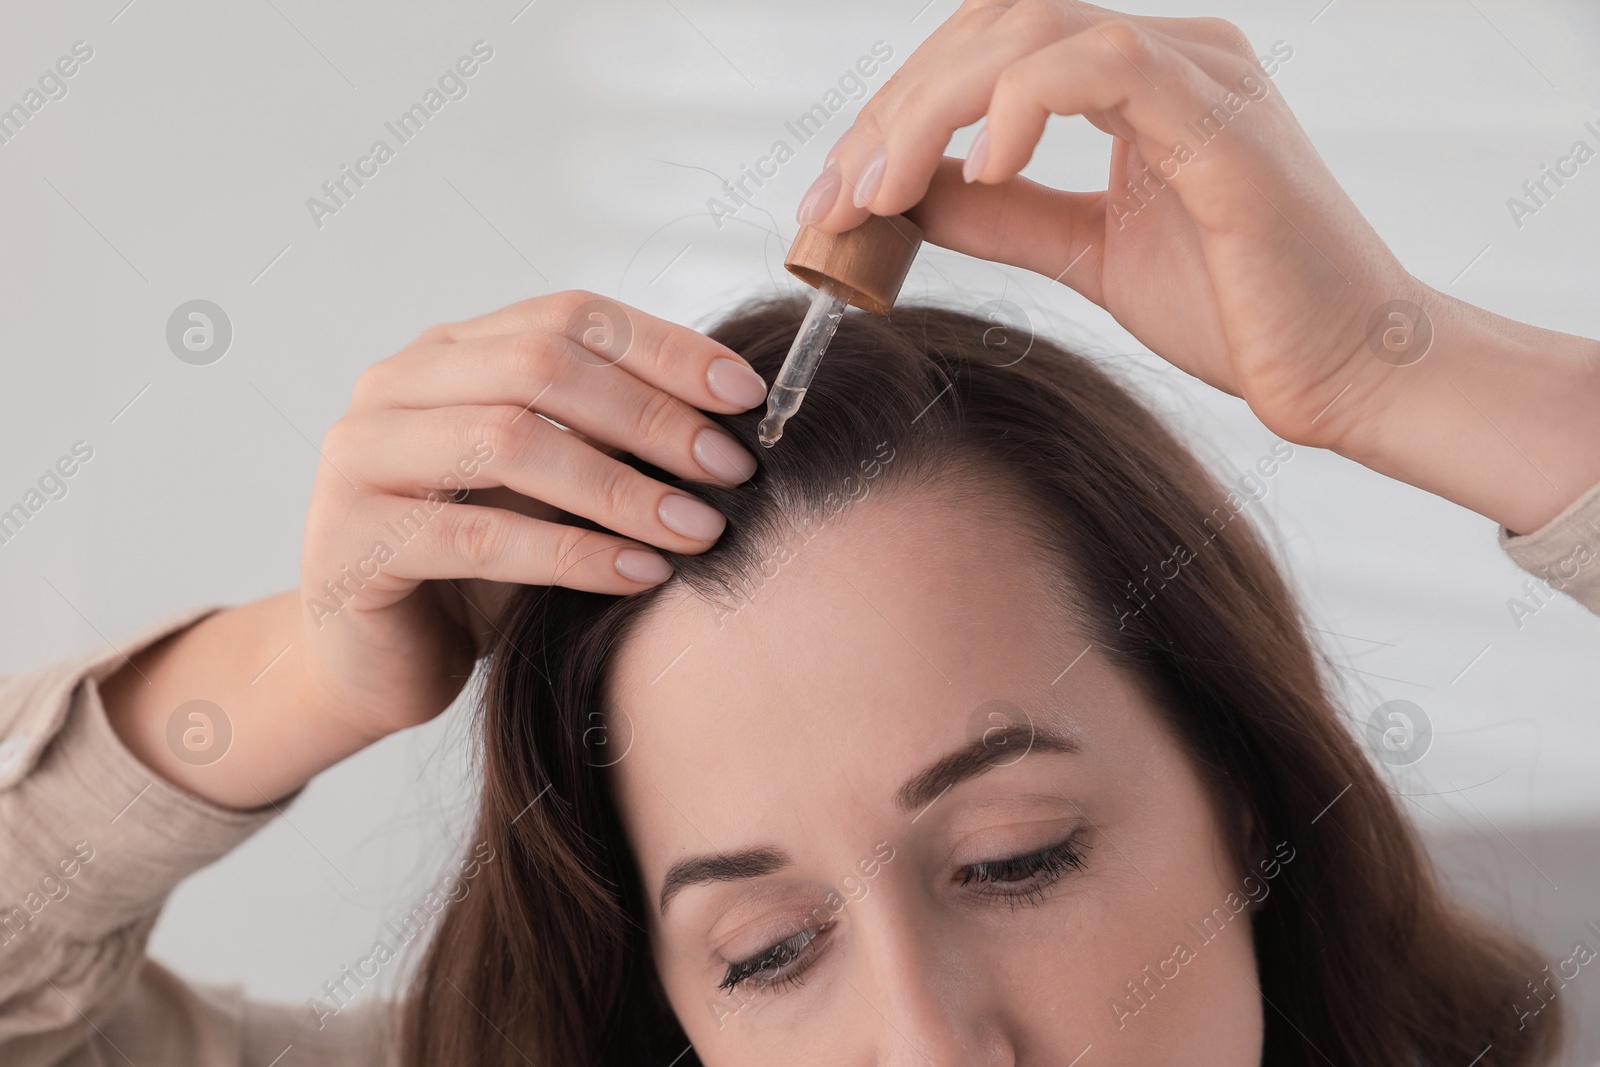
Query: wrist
[1496,415]
[220,709]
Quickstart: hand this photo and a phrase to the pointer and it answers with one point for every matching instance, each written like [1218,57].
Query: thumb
[1058,234]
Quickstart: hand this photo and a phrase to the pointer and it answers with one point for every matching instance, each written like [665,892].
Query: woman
[984,731]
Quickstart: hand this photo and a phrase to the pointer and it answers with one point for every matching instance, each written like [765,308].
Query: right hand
[1255,271]
[459,407]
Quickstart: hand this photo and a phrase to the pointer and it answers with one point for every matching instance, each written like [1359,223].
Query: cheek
[708,1015]
[1136,975]
[1151,952]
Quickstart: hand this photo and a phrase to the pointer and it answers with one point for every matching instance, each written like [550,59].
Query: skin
[304,686]
[1251,269]
[806,755]
[1264,293]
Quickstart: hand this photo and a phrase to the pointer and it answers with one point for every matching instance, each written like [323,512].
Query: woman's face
[889,809]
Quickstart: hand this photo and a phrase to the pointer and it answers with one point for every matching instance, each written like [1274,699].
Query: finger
[1144,208]
[550,374]
[910,127]
[856,145]
[1116,67]
[929,112]
[1060,235]
[912,118]
[447,449]
[419,540]
[681,361]
[1215,45]
[872,169]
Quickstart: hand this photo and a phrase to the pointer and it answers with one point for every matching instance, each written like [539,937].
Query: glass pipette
[821,320]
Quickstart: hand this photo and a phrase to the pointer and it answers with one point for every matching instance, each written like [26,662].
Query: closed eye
[1017,879]
[1025,878]
[777,965]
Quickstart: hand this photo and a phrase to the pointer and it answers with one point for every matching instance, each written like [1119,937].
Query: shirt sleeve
[1564,552]
[91,845]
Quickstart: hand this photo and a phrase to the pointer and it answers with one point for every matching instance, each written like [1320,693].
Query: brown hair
[1361,957]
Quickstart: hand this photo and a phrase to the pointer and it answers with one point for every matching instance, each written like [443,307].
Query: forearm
[246,661]
[1500,417]
[92,844]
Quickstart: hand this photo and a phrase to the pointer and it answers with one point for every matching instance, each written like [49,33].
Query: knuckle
[616,488]
[437,334]
[1126,39]
[525,348]
[572,546]
[677,348]
[1040,20]
[1223,34]
[519,314]
[919,104]
[475,535]
[534,358]
[372,385]
[567,302]
[873,119]
[973,16]
[341,439]
[502,430]
[658,419]
[1009,83]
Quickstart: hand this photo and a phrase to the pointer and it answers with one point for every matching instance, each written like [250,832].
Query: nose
[918,1035]
[925,1000]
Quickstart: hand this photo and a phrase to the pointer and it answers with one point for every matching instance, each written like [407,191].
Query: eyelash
[1040,870]
[765,968]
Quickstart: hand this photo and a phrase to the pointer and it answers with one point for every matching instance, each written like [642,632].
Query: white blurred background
[178,167]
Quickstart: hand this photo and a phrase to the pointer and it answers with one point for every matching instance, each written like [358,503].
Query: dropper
[864,267]
[821,320]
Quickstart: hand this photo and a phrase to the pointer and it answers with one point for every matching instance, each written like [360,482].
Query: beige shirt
[91,844]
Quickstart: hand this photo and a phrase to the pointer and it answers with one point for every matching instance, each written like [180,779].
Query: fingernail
[820,197]
[690,517]
[976,155]
[871,177]
[735,382]
[638,565]
[722,457]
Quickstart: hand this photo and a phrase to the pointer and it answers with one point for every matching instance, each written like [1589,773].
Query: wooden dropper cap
[870,260]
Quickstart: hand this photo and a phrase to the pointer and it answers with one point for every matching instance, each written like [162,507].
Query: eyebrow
[722,867]
[981,754]
[973,759]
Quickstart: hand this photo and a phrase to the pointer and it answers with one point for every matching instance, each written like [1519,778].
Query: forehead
[872,649]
